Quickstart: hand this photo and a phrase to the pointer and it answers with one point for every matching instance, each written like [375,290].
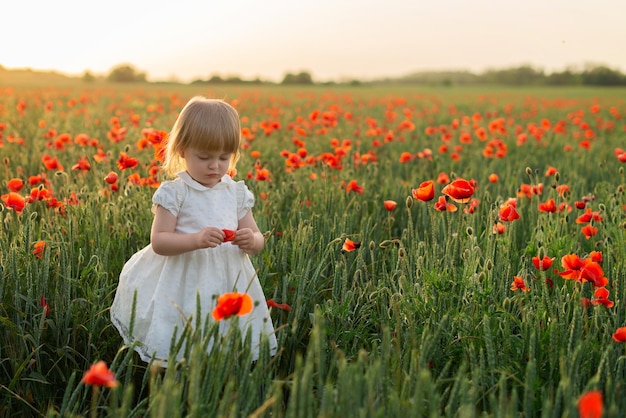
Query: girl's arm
[248,236]
[167,242]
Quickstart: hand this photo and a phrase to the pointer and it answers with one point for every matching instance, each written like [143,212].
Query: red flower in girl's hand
[230,234]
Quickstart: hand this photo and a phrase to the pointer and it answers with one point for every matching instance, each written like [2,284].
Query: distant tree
[302,77]
[216,79]
[234,80]
[88,77]
[126,74]
[518,76]
[602,76]
[563,78]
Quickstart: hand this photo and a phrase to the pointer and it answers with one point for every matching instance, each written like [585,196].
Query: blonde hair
[209,125]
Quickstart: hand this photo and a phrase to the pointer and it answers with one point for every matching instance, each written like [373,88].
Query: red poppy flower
[525,190]
[589,231]
[44,304]
[493,178]
[572,265]
[51,163]
[390,204]
[551,171]
[405,157]
[82,165]
[460,190]
[272,304]
[590,405]
[547,206]
[471,206]
[353,186]
[232,303]
[596,256]
[518,284]
[37,193]
[38,249]
[230,234]
[602,297]
[498,228]
[261,174]
[349,245]
[562,189]
[589,216]
[443,178]
[425,191]
[14,201]
[100,375]
[592,272]
[542,264]
[579,204]
[111,178]
[508,213]
[442,205]
[15,185]
[40,178]
[619,335]
[125,161]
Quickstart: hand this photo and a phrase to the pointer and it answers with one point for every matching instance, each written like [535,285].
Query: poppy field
[429,253]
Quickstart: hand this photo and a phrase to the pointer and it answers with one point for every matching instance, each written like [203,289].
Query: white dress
[167,287]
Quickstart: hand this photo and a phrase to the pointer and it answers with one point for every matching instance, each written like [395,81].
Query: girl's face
[207,168]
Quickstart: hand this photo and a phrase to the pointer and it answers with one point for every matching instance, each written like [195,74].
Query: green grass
[419,321]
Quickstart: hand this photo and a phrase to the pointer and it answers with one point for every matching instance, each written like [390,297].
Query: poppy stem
[93,409]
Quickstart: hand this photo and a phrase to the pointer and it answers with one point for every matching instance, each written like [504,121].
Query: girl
[188,259]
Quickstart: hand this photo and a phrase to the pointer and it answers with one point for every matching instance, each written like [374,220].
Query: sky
[337,40]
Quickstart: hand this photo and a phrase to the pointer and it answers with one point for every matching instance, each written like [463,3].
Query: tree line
[525,75]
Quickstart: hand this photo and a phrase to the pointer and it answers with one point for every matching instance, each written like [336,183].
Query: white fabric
[167,286]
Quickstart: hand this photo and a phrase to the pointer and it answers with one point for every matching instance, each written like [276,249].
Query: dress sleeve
[169,197]
[245,199]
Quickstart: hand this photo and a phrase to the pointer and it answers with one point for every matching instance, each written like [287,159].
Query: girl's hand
[247,240]
[209,237]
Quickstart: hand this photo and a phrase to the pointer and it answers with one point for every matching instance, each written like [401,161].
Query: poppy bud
[469,231]
[557,176]
[409,202]
[621,171]
[481,277]
[401,252]
[601,207]
[529,171]
[386,243]
[541,253]
[6,161]
[489,264]
[372,245]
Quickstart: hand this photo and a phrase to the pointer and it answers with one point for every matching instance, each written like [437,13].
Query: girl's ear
[181,153]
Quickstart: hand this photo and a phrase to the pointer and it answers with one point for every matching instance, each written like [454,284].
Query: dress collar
[189,181]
